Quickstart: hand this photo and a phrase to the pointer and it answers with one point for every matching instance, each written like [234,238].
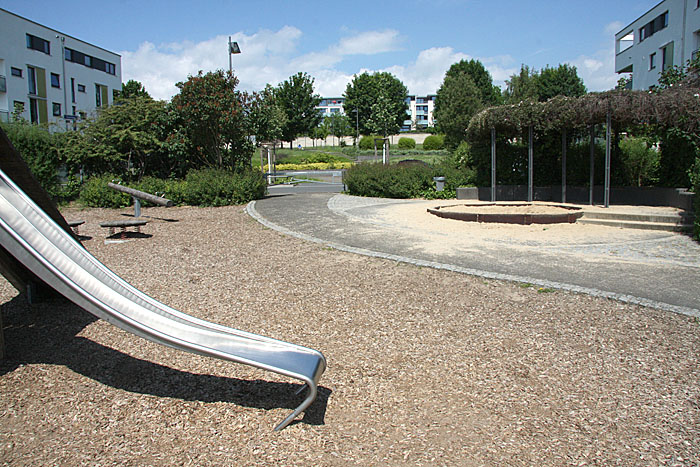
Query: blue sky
[162,42]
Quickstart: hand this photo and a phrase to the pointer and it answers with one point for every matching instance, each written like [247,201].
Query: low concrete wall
[679,198]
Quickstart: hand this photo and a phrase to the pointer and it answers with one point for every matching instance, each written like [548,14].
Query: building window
[37,43]
[81,88]
[101,96]
[56,109]
[667,57]
[16,72]
[90,61]
[34,110]
[654,26]
[72,91]
[55,80]
[31,79]
[18,106]
[652,61]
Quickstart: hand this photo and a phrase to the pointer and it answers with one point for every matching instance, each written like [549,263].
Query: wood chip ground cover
[425,367]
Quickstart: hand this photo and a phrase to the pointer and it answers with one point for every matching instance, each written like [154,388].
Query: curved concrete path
[649,268]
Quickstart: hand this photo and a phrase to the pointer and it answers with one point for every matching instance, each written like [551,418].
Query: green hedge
[367,142]
[434,142]
[407,143]
[207,187]
[393,181]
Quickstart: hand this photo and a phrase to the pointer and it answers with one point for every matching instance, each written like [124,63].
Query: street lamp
[357,126]
[232,49]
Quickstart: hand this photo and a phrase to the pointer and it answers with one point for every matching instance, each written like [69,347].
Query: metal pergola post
[563,166]
[592,168]
[493,164]
[530,157]
[608,121]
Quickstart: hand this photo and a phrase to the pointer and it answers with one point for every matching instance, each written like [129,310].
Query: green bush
[407,143]
[38,148]
[640,161]
[393,181]
[457,168]
[434,142]
[96,194]
[207,187]
[694,175]
[215,187]
[367,142]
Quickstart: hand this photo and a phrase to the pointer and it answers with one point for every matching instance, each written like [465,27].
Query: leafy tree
[560,81]
[124,139]
[490,94]
[339,125]
[383,120]
[458,99]
[133,88]
[623,83]
[364,91]
[213,117]
[522,86]
[266,117]
[321,131]
[297,99]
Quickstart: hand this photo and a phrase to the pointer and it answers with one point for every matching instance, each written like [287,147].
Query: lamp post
[232,49]
[357,127]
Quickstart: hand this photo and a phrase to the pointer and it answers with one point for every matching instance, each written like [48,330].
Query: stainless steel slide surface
[54,256]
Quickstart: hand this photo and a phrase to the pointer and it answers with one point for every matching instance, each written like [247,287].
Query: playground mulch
[425,367]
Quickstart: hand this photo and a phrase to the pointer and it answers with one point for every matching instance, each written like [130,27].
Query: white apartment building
[666,35]
[51,77]
[420,112]
[331,105]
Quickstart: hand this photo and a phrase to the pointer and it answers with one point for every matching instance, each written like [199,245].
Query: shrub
[434,142]
[457,168]
[37,146]
[216,187]
[96,194]
[367,142]
[407,143]
[694,175]
[640,162]
[207,187]
[370,179]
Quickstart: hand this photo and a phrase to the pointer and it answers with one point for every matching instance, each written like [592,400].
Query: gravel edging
[250,209]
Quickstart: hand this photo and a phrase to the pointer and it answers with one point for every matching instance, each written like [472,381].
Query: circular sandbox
[509,213]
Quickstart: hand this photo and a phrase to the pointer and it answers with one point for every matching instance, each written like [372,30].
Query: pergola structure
[674,107]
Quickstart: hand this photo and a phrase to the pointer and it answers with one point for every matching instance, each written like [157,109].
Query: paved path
[656,269]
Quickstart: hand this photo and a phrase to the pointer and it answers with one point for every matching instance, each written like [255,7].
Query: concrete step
[679,219]
[636,224]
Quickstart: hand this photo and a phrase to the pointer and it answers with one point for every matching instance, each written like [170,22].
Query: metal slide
[32,237]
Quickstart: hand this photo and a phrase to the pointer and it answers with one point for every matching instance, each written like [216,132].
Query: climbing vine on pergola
[675,107]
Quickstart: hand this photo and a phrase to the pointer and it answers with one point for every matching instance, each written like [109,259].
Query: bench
[123,225]
[75,226]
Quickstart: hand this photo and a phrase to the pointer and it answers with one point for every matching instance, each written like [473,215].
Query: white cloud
[613,28]
[425,75]
[369,43]
[272,56]
[158,68]
[598,70]
[266,57]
